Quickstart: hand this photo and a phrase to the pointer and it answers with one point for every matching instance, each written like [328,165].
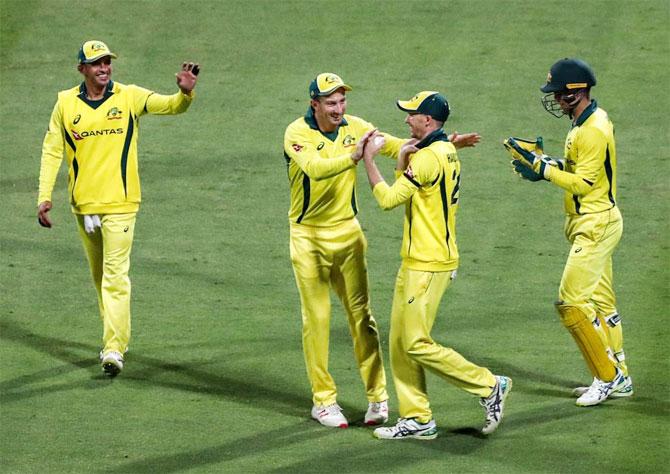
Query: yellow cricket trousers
[108,254]
[415,303]
[587,276]
[325,257]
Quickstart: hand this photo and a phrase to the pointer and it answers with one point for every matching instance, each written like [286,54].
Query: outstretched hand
[465,139]
[375,143]
[357,155]
[408,148]
[187,77]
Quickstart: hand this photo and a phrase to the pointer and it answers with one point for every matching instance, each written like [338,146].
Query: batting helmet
[569,74]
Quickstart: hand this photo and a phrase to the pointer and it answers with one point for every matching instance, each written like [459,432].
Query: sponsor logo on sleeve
[297,148]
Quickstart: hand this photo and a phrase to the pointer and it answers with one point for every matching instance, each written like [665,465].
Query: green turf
[215,380]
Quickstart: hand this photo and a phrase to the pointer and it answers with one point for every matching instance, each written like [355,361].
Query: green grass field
[215,379]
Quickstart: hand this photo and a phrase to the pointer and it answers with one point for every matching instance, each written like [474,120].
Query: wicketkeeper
[586,300]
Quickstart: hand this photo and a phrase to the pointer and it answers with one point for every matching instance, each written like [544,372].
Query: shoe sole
[341,425]
[579,391]
[425,437]
[629,393]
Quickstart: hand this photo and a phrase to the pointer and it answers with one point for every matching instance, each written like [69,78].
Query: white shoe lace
[404,426]
[330,410]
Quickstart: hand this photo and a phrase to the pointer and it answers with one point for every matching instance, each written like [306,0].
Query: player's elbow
[582,188]
[386,204]
[314,175]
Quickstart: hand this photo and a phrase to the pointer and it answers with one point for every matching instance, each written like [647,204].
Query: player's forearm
[178,103]
[392,146]
[570,182]
[48,173]
[374,176]
[389,197]
[52,155]
[320,168]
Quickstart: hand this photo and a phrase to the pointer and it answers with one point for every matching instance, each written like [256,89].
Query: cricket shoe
[101,354]
[599,391]
[377,414]
[494,404]
[112,363]
[621,392]
[408,428]
[330,416]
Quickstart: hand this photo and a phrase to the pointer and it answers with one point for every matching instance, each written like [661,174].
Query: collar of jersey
[586,114]
[311,121]
[434,136]
[94,104]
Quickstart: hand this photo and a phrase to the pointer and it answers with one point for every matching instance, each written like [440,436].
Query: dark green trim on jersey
[311,121]
[408,216]
[588,111]
[69,141]
[146,102]
[608,172]
[435,136]
[305,197]
[445,209]
[75,164]
[124,154]
[75,170]
[288,161]
[413,181]
[94,104]
[353,201]
[575,199]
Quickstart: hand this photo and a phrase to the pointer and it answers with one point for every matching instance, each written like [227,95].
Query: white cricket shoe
[377,414]
[599,391]
[622,391]
[494,404]
[408,428]
[112,363]
[101,354]
[330,416]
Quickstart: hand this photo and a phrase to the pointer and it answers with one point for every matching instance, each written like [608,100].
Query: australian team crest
[114,113]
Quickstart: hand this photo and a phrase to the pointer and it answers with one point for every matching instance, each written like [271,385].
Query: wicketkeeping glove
[527,152]
[540,170]
[524,172]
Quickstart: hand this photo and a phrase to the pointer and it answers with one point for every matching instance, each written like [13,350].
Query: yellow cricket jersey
[589,178]
[321,173]
[99,139]
[429,187]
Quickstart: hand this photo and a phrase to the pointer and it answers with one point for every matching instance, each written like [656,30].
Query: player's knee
[570,314]
[419,347]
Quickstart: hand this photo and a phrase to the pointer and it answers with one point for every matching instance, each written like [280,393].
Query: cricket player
[328,247]
[593,225]
[95,124]
[428,176]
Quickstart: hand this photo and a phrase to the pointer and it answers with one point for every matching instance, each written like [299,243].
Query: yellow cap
[93,50]
[325,84]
